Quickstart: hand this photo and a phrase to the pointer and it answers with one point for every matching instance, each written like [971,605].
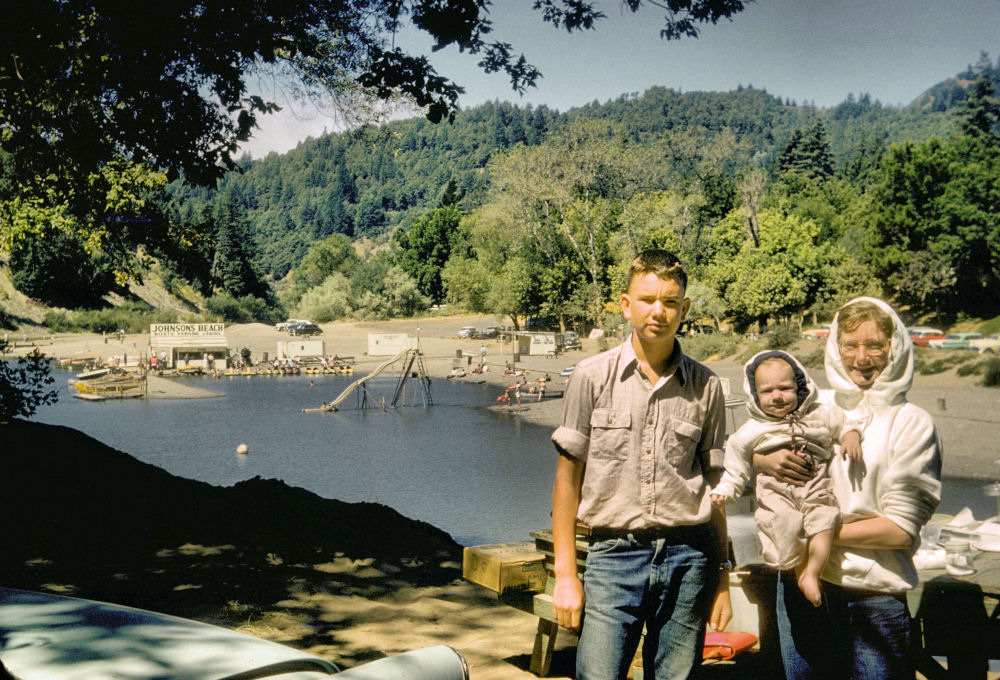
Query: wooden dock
[89,396]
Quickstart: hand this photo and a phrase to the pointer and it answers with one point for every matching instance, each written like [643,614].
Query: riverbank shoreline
[965,412]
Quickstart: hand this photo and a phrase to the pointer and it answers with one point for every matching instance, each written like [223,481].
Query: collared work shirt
[651,452]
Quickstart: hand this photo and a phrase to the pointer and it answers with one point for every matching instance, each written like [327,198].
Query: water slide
[332,406]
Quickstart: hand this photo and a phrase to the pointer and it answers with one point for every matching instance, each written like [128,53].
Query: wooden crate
[505,566]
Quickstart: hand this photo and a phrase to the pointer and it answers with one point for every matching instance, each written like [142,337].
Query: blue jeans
[666,584]
[854,634]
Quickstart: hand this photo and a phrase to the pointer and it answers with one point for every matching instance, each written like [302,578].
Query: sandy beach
[352,605]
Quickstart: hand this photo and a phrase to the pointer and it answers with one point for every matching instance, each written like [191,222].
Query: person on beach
[640,445]
[863,628]
[795,523]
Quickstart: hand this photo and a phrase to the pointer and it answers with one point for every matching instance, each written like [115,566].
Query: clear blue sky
[807,50]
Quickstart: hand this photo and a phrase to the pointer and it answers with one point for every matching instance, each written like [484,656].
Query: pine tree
[790,155]
[232,270]
[817,159]
[981,117]
[808,153]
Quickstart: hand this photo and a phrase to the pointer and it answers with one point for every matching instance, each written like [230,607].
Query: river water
[482,475]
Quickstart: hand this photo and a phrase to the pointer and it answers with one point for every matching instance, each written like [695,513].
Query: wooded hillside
[778,208]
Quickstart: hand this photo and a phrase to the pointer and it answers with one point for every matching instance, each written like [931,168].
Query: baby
[796,523]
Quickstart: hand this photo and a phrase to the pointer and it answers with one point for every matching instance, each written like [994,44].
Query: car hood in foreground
[52,637]
[49,636]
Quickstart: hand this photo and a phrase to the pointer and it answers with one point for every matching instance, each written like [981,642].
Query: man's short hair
[663,263]
[853,314]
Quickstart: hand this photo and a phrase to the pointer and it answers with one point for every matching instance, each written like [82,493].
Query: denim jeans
[854,634]
[667,584]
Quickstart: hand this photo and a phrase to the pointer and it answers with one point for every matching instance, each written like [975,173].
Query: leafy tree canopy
[82,81]
[24,384]
[425,246]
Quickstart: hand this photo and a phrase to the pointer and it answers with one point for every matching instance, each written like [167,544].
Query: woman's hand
[785,465]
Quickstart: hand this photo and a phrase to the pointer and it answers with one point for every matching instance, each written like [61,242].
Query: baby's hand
[718,501]
[851,446]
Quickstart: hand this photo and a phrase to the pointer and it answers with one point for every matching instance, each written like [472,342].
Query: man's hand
[785,465]
[567,601]
[718,501]
[722,608]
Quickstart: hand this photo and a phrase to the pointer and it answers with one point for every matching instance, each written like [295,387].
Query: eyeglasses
[875,348]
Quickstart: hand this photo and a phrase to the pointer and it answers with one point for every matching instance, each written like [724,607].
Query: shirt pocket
[609,433]
[683,442]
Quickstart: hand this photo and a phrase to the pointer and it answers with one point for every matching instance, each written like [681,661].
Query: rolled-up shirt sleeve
[572,437]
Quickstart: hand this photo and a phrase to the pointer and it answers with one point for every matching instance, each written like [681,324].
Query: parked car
[821,333]
[987,345]
[921,335]
[305,328]
[571,340]
[955,341]
[283,326]
[490,332]
[468,332]
[53,636]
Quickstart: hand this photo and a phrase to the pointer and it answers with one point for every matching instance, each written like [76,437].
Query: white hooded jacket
[822,425]
[901,475]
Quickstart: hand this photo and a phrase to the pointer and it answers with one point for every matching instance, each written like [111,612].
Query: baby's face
[777,391]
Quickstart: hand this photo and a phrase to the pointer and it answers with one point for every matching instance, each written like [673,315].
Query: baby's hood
[807,391]
[892,384]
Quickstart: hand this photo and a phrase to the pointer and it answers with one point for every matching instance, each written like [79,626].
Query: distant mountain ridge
[950,93]
[366,182]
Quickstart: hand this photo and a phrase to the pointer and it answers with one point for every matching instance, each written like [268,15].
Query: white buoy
[242,450]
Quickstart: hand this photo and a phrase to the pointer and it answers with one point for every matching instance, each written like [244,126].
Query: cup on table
[958,558]
[929,536]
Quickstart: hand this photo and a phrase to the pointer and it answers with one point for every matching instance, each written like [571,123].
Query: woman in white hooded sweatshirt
[862,629]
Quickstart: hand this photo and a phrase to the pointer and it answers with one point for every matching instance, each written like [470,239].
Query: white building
[179,345]
[301,349]
[389,344]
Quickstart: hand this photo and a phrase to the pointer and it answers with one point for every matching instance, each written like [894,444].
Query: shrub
[132,317]
[328,301]
[705,345]
[938,365]
[260,310]
[970,369]
[816,359]
[6,320]
[991,373]
[396,295]
[246,309]
[58,322]
[227,308]
[779,337]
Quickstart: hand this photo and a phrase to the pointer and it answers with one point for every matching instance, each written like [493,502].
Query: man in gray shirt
[640,446]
